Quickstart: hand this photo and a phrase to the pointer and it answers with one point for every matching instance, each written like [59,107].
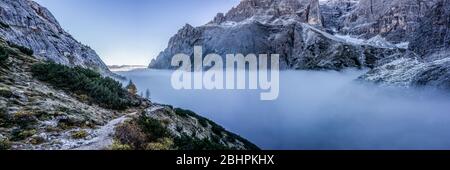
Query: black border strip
[167,159]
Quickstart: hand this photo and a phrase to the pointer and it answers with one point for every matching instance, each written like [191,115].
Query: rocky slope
[433,32]
[429,62]
[392,19]
[334,10]
[412,71]
[42,116]
[26,23]
[332,34]
[33,114]
[183,130]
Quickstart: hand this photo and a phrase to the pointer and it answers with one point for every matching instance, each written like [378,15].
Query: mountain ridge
[268,28]
[342,34]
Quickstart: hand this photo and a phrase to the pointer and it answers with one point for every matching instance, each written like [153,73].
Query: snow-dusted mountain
[329,34]
[393,19]
[26,23]
[428,63]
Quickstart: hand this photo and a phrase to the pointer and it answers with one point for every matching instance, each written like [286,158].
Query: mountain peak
[273,12]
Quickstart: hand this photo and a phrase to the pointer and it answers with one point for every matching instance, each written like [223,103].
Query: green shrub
[161,144]
[5,144]
[106,92]
[216,129]
[130,135]
[181,112]
[248,145]
[22,134]
[188,143]
[22,49]
[5,92]
[4,25]
[152,128]
[203,122]
[24,119]
[79,134]
[120,147]
[179,129]
[37,140]
[4,54]
[4,117]
[186,113]
[143,133]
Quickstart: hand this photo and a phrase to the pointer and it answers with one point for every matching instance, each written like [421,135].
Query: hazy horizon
[131,33]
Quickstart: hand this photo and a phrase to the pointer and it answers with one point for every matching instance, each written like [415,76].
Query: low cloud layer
[318,110]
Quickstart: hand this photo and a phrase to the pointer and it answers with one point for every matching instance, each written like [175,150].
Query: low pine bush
[103,91]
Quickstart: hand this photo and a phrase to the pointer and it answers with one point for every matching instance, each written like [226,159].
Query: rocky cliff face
[273,11]
[246,28]
[301,46]
[290,28]
[332,34]
[393,19]
[26,23]
[334,10]
[429,62]
[433,32]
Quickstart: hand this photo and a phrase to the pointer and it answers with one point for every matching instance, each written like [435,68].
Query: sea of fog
[316,110]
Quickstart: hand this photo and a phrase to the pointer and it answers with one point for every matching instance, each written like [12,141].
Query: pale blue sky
[131,31]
